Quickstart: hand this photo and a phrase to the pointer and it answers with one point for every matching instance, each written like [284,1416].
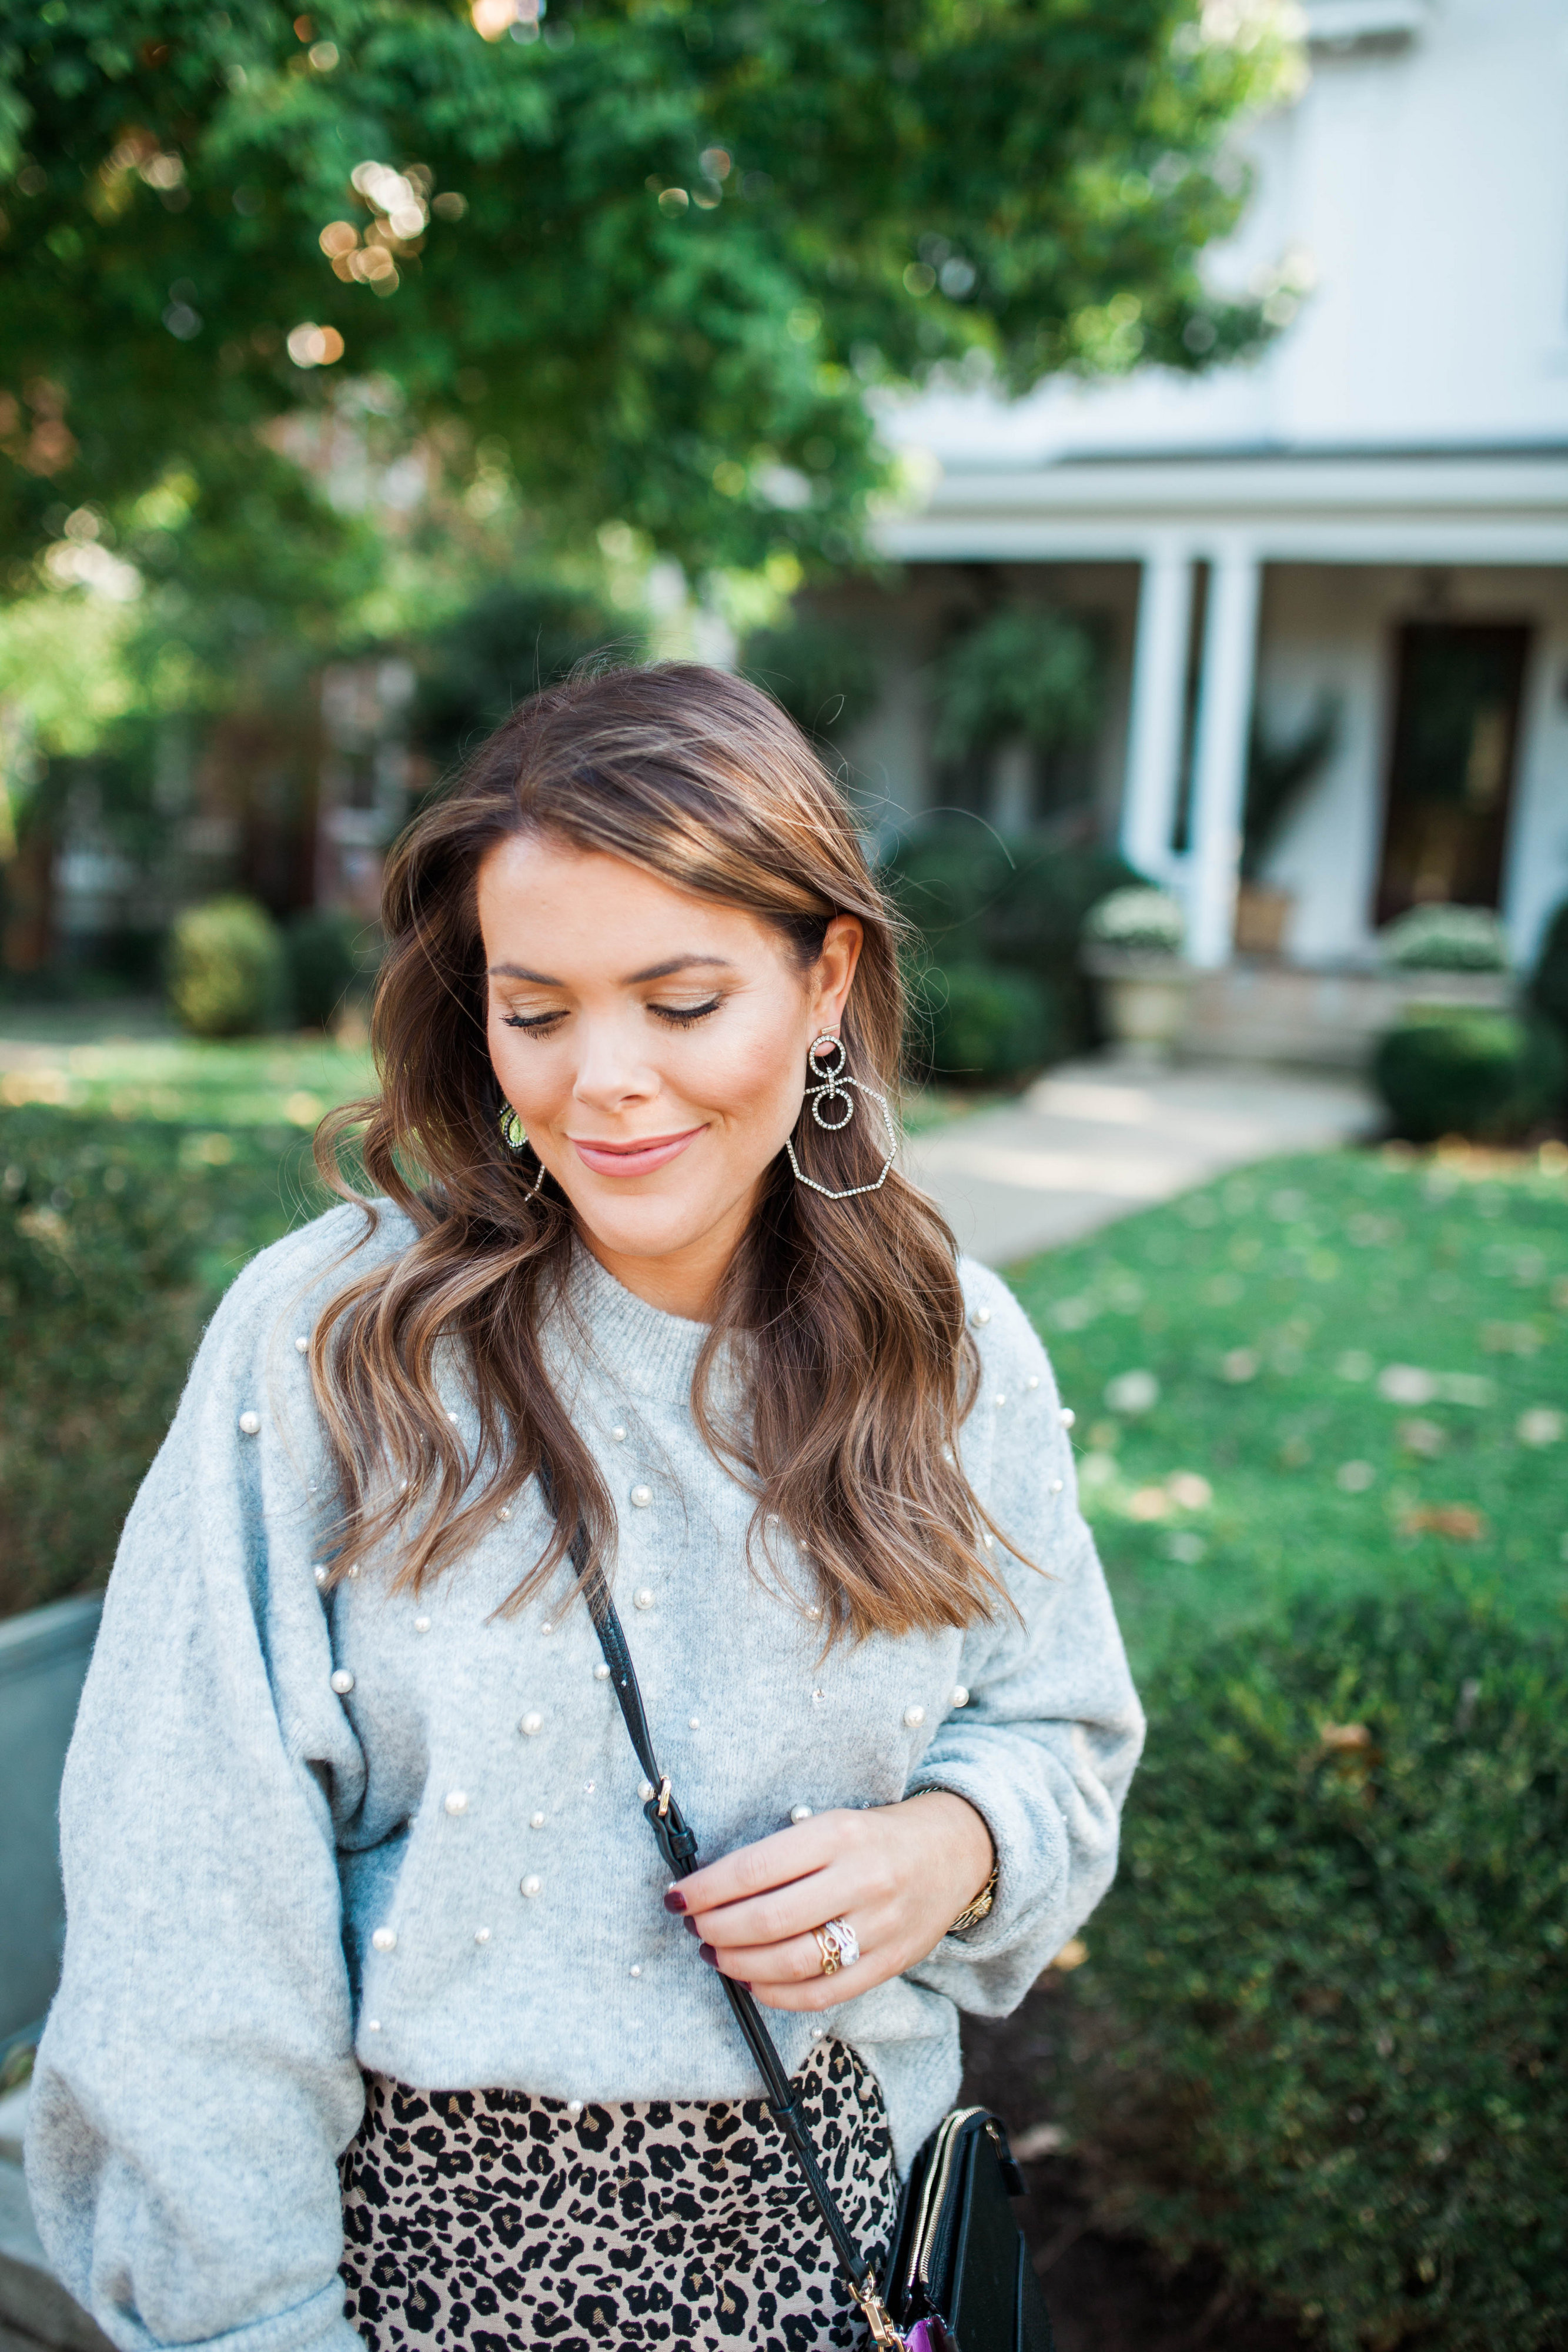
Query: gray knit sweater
[309,1834]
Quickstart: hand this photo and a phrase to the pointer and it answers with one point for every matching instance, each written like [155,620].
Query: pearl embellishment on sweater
[980,1318]
[618,1434]
[385,1940]
[536,1821]
[1068,1416]
[641,1497]
[457,1800]
[644,1790]
[421,1624]
[799,1813]
[532,1884]
[342,1681]
[914,1717]
[602,1673]
[303,1344]
[249,1423]
[644,1597]
[481,1934]
[574,2108]
[319,1571]
[960,1695]
[531,1724]
[1056,1486]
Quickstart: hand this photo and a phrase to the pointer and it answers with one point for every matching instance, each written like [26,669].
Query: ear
[829,980]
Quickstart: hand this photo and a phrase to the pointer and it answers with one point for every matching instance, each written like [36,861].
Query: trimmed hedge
[228,974]
[1016,908]
[1324,2028]
[1489,1075]
[980,1022]
[333,954]
[115,1243]
[1549,984]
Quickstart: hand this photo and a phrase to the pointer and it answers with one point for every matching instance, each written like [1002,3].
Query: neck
[684,1281]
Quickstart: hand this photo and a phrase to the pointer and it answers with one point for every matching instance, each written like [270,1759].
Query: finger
[819,1992]
[795,1962]
[755,1869]
[791,1911]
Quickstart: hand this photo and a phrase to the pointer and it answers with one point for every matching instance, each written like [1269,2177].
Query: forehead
[553,906]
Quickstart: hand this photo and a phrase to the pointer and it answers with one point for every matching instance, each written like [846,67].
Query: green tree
[652,257]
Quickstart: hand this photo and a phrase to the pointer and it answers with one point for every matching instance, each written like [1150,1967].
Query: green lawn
[132,1065]
[1334,1372]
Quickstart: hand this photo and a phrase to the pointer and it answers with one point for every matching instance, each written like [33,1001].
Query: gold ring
[838,1944]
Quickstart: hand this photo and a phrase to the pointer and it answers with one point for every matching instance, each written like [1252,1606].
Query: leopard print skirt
[493,2221]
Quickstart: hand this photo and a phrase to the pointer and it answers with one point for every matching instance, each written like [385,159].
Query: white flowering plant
[1136,920]
[1445,939]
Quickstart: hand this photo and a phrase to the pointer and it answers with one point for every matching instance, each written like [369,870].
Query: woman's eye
[681,1016]
[534,1021]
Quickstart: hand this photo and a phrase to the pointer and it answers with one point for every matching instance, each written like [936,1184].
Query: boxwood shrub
[975,1021]
[1489,1075]
[1324,2024]
[229,973]
[117,1239]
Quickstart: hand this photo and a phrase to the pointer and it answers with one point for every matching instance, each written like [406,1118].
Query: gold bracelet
[973,1912]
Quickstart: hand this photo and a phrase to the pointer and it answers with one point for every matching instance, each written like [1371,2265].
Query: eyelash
[539,1025]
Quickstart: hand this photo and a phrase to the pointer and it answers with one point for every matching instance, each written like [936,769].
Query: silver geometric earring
[833,1091]
[514,1135]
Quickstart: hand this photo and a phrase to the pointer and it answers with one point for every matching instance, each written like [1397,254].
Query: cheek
[530,1072]
[754,1075]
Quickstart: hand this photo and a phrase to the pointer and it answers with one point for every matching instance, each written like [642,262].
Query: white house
[1375,516]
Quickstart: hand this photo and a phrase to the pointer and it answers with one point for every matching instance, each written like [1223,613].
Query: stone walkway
[1095,1140]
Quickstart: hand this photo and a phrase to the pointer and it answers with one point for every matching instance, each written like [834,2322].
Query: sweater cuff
[318,2324]
[1022,1890]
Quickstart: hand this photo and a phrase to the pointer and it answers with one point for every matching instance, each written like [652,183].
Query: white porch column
[1219,763]
[1154,726]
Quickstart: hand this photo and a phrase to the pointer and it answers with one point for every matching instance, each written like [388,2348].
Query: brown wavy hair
[846,1316]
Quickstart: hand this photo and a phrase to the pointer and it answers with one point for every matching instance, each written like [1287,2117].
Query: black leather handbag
[960,2277]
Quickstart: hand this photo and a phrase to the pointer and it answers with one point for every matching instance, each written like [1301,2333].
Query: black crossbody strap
[678,1845]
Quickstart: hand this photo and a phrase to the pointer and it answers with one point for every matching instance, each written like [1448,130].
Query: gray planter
[43,1659]
[1144,1000]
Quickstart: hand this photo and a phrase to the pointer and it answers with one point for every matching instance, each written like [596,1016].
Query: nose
[612,1068]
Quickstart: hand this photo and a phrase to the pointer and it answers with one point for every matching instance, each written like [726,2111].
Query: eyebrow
[633,980]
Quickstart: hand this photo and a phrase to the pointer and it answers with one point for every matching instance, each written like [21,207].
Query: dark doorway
[1455,729]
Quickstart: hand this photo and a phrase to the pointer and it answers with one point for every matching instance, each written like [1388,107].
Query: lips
[639,1158]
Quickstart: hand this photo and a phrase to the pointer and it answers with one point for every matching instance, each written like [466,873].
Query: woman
[378,2019]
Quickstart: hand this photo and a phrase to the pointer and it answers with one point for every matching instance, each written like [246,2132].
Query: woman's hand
[899,1873]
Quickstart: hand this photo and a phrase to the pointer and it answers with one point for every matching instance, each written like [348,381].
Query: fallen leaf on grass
[1457,1519]
[1345,1735]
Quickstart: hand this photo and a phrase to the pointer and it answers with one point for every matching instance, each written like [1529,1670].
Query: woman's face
[653,1045]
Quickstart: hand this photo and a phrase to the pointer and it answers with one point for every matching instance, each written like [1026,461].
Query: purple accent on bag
[928,2336]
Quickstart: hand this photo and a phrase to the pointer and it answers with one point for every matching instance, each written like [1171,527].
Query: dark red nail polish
[675,1900]
[691,1928]
[706,1952]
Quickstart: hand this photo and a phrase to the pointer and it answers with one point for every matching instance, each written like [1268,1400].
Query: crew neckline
[649,1351]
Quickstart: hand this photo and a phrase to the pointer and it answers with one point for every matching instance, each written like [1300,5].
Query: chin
[648,1228]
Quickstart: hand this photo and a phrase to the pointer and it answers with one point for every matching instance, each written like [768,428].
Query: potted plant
[1132,945]
[1445,955]
[1279,770]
